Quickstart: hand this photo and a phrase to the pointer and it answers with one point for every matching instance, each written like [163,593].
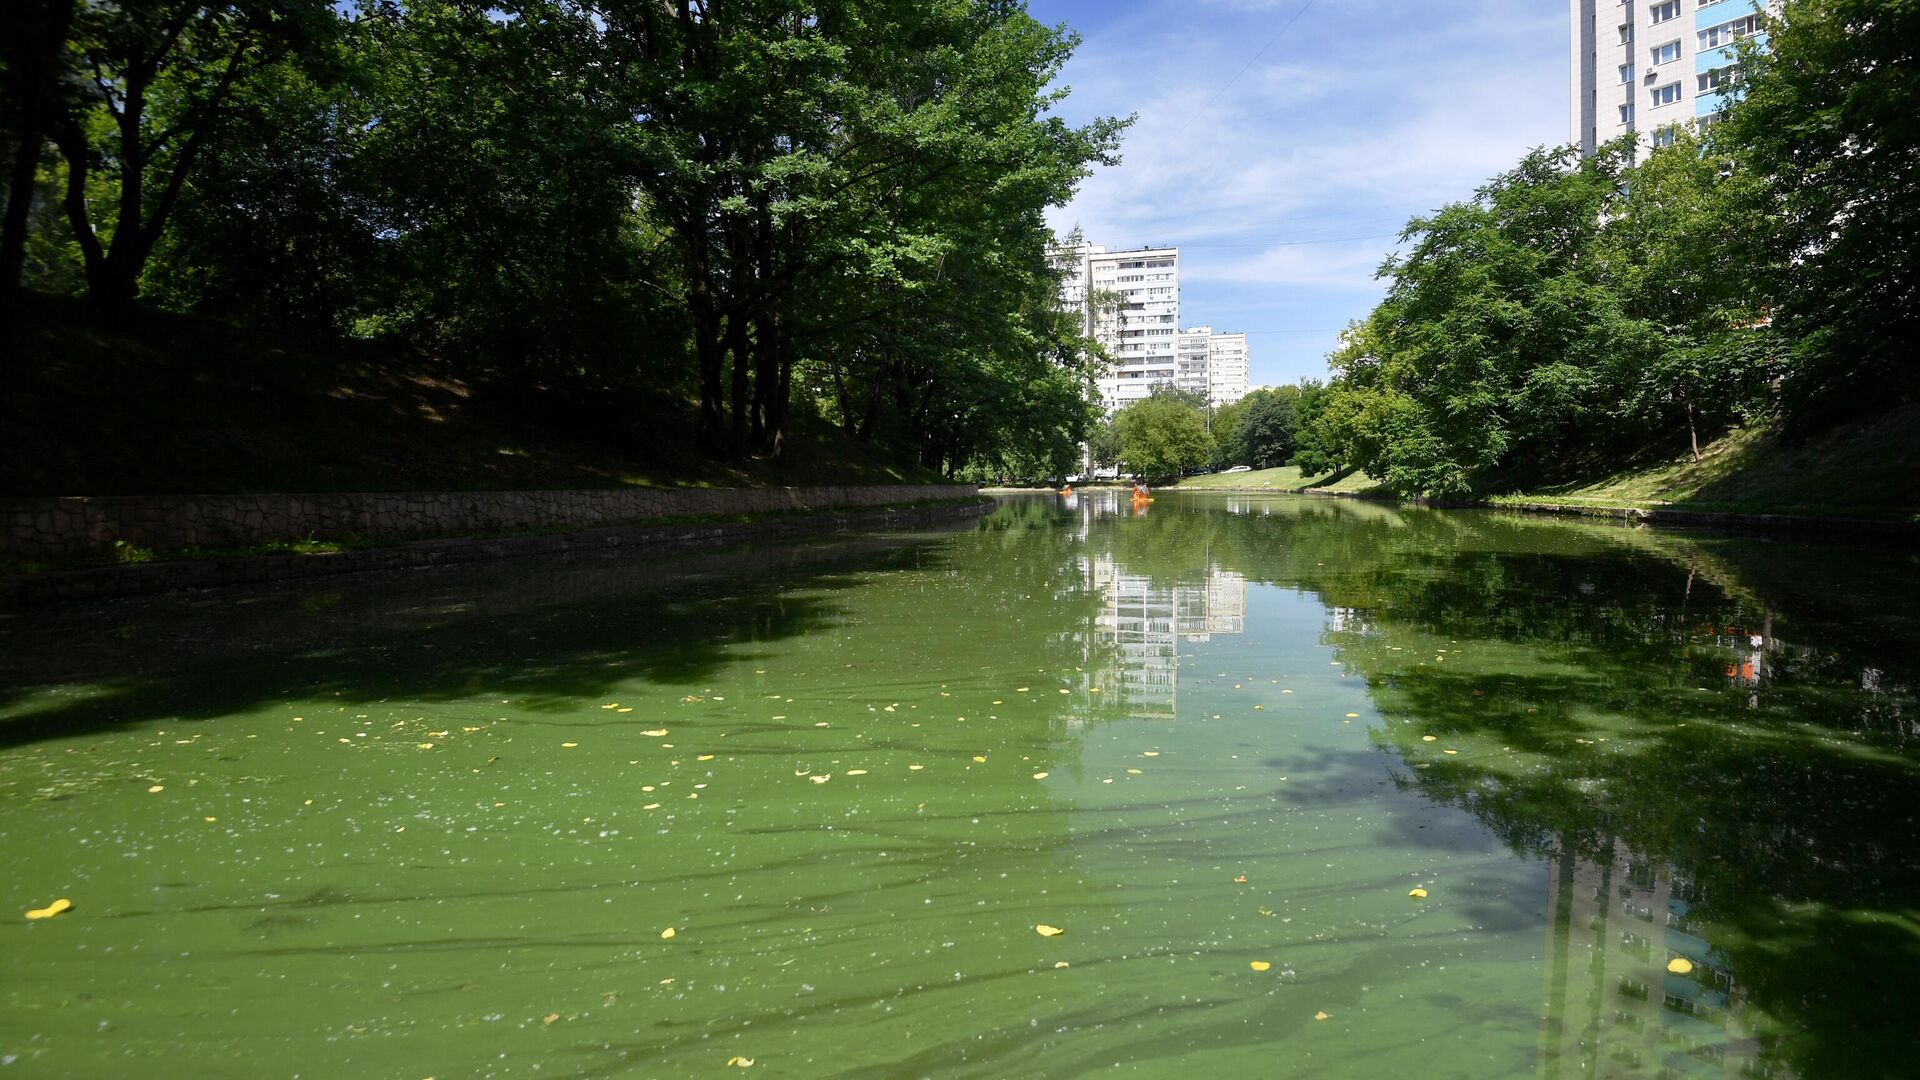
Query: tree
[1313,456]
[1163,436]
[1500,334]
[1681,252]
[161,77]
[31,93]
[1829,125]
[1266,431]
[1103,443]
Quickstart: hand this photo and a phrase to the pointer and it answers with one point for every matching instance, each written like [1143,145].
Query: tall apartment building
[1130,301]
[1649,66]
[1211,363]
[1226,368]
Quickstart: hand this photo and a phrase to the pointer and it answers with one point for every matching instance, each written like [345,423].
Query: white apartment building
[1211,363]
[1130,301]
[1193,360]
[1226,368]
[1649,66]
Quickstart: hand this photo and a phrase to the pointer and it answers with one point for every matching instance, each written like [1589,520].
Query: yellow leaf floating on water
[1353,716]
[1048,931]
[1417,894]
[1240,880]
[1449,751]
[1039,776]
[667,933]
[1150,753]
[821,779]
[651,806]
[1321,1016]
[655,733]
[568,745]
[1679,965]
[915,768]
[1019,689]
[980,758]
[740,1062]
[156,789]
[1429,738]
[1258,965]
[48,912]
[1060,965]
[1266,912]
[1133,772]
[856,772]
[704,757]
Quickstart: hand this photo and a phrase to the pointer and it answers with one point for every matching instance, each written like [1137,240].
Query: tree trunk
[739,348]
[711,356]
[43,34]
[1693,434]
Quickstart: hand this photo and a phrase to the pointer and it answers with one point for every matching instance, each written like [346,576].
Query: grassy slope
[1285,478]
[1867,469]
[168,405]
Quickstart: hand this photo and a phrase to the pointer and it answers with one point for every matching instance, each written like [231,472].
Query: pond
[1307,787]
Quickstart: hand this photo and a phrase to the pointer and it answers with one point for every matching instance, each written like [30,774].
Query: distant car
[1241,468]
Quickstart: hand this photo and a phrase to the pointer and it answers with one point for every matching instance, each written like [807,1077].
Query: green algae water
[805,811]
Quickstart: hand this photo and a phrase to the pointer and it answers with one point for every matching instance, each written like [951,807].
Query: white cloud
[1364,113]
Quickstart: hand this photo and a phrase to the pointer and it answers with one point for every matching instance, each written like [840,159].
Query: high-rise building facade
[1129,301]
[1647,67]
[1211,364]
[1226,368]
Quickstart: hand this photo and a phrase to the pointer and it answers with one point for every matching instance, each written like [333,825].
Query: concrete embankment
[910,507]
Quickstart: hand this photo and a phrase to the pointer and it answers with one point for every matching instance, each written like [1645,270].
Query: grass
[1868,469]
[1285,478]
[168,404]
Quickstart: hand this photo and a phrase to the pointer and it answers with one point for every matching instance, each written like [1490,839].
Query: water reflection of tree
[1736,719]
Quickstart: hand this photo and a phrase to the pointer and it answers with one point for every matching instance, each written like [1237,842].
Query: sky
[1282,144]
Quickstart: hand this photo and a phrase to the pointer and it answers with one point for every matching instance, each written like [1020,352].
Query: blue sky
[1284,174]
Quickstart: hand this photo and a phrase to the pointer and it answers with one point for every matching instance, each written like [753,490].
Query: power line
[1285,243]
[1288,25]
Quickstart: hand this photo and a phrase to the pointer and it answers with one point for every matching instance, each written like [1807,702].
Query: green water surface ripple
[806,807]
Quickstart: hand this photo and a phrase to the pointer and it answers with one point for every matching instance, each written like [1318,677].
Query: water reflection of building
[1142,624]
[1614,1008]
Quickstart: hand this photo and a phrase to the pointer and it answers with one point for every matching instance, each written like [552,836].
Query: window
[1626,114]
[1665,54]
[1716,37]
[1665,136]
[1718,79]
[1666,95]
[1626,73]
[1665,12]
[1626,33]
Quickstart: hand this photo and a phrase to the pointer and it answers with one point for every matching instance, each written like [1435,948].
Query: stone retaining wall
[35,528]
[134,579]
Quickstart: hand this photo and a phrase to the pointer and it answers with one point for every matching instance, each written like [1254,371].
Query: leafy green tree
[1499,333]
[493,172]
[1267,425]
[1228,448]
[1163,436]
[161,78]
[1683,257]
[32,97]
[1830,128]
[1312,455]
[1103,443]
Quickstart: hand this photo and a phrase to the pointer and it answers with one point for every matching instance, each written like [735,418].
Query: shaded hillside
[169,404]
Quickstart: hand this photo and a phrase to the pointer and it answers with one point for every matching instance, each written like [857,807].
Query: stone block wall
[41,527]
